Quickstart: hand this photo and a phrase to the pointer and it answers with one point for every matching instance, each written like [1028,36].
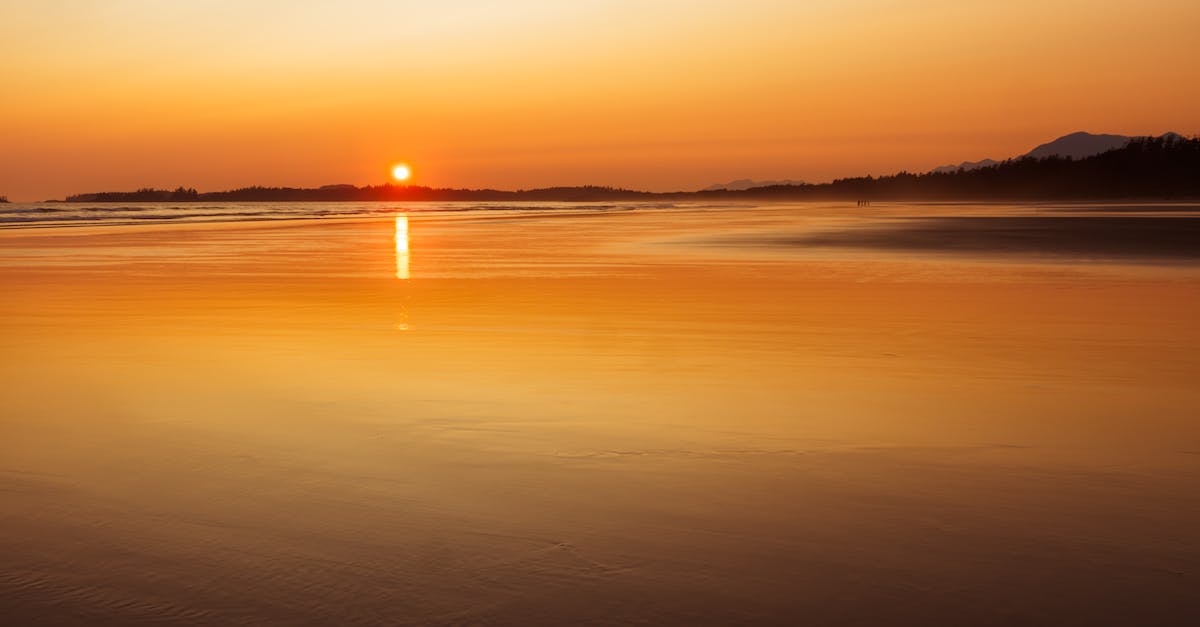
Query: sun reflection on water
[402,271]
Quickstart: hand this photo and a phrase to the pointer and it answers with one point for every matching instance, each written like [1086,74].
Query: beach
[807,413]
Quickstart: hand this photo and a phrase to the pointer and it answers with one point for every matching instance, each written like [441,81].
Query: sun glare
[402,271]
[401,172]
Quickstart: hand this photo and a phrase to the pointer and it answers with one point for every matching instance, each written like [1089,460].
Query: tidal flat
[604,415]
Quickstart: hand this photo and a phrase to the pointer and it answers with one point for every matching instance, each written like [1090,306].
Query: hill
[350,193]
[742,184]
[1166,167]
[967,165]
[1078,145]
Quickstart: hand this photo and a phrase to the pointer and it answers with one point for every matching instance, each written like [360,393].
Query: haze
[662,96]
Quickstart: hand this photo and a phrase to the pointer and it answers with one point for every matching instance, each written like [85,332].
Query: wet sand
[1105,237]
[655,417]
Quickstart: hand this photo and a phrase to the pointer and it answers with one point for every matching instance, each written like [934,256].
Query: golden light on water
[402,248]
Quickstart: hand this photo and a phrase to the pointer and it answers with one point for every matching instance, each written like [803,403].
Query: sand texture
[692,415]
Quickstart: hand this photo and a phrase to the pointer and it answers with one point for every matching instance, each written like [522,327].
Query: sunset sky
[660,95]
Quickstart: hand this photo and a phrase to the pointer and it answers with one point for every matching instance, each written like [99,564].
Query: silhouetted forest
[1151,168]
[349,193]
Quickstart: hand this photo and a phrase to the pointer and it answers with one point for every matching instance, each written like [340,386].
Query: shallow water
[60,214]
[667,415]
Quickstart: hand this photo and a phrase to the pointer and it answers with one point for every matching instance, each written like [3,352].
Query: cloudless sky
[653,94]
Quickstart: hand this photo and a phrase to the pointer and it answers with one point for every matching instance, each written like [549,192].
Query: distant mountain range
[1074,146]
[967,165]
[1078,145]
[744,184]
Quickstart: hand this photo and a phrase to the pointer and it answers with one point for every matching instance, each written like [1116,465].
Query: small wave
[64,216]
[24,210]
[19,220]
[120,209]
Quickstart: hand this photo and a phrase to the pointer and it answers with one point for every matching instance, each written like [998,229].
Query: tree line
[1149,168]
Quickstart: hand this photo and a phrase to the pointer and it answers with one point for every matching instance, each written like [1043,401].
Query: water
[672,415]
[114,214]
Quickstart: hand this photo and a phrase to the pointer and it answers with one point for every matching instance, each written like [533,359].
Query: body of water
[600,414]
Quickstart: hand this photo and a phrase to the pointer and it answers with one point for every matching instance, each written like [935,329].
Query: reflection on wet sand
[402,271]
[1083,235]
[590,423]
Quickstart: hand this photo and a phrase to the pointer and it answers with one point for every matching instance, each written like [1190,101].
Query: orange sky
[660,95]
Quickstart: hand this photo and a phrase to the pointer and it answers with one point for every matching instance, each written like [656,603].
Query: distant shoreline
[1152,168]
[684,196]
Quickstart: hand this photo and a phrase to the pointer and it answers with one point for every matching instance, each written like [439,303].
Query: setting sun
[859,312]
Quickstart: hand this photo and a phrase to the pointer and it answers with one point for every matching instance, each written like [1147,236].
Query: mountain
[967,165]
[744,184]
[1076,146]
[1079,145]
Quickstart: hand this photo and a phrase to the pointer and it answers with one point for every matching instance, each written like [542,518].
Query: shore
[771,415]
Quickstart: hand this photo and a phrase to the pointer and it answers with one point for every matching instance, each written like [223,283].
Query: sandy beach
[786,414]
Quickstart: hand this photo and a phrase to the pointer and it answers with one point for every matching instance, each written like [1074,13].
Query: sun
[401,172]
